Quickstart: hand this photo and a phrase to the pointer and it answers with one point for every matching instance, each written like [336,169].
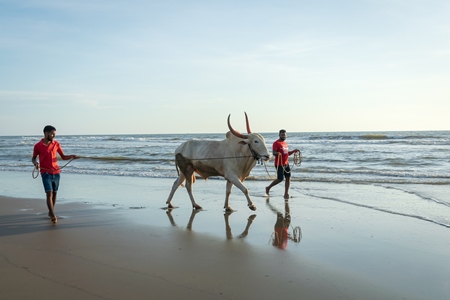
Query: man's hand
[35,163]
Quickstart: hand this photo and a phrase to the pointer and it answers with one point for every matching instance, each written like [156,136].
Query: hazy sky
[113,66]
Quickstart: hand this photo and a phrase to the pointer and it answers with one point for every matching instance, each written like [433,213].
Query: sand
[103,251]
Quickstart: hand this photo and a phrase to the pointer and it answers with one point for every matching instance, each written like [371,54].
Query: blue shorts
[281,173]
[50,181]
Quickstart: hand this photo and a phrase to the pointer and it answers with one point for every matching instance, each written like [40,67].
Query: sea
[415,163]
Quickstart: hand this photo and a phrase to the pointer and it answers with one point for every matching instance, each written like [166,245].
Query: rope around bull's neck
[36,169]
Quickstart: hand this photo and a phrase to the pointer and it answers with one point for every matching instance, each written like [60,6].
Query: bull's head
[255,141]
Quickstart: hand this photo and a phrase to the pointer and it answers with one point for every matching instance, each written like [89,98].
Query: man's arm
[293,151]
[66,157]
[275,149]
[34,161]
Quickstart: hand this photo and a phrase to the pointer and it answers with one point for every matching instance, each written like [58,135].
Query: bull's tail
[178,171]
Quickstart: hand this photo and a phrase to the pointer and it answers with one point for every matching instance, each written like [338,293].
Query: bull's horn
[236,133]
[247,123]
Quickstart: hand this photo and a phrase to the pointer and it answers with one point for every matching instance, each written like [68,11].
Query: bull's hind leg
[189,180]
[179,181]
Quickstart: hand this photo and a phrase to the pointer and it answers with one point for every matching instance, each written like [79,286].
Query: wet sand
[103,251]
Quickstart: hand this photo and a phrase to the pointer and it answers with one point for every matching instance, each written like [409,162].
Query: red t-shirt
[281,147]
[47,156]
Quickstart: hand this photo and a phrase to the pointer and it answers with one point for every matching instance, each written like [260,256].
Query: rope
[297,161]
[35,172]
[213,158]
[297,234]
[36,169]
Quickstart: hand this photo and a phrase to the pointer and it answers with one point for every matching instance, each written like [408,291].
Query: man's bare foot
[267,191]
[54,220]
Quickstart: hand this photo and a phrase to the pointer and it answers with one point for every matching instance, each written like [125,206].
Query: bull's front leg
[247,228]
[227,197]
[240,186]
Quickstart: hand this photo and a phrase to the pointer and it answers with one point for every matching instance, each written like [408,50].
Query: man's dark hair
[282,131]
[49,128]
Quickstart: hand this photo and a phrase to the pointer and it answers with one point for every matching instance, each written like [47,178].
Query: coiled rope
[36,169]
[296,235]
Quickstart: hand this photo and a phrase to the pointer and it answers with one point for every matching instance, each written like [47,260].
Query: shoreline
[107,247]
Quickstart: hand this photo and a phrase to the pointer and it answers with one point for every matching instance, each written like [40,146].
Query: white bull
[232,158]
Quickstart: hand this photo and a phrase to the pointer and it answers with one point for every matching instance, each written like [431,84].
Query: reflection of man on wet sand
[281,234]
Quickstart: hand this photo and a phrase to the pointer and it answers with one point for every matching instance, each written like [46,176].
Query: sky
[177,66]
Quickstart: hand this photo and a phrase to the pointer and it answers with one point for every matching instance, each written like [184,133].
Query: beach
[125,99]
[105,248]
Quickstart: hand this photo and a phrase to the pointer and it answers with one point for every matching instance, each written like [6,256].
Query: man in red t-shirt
[281,155]
[46,149]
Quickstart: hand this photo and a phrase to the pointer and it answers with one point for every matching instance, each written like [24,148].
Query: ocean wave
[439,136]
[374,136]
[372,172]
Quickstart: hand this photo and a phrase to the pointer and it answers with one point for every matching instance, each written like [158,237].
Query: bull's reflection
[228,230]
[281,235]
[191,218]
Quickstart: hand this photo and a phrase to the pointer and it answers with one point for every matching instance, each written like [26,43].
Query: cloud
[89,100]
[68,6]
